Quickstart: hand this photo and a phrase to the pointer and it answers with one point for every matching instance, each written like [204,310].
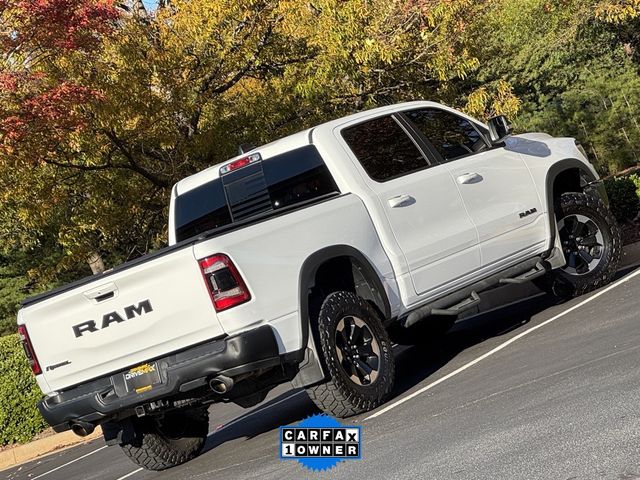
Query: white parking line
[129,474]
[500,347]
[69,463]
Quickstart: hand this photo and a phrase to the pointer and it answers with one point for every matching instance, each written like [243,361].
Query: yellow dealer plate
[142,378]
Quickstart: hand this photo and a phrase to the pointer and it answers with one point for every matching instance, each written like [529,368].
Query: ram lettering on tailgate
[113,317]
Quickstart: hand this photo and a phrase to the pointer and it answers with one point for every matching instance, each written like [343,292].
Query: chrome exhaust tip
[82,429]
[221,384]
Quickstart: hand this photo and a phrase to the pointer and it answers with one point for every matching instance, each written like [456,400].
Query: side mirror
[499,128]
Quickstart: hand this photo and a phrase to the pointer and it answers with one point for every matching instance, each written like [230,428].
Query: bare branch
[131,160]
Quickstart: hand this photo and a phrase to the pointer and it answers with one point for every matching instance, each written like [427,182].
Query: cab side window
[451,135]
[383,149]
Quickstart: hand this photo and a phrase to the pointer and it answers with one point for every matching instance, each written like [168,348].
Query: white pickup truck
[302,260]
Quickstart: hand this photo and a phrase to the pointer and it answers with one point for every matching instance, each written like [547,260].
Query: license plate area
[142,378]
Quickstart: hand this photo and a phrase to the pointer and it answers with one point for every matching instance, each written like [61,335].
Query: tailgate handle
[102,293]
[105,296]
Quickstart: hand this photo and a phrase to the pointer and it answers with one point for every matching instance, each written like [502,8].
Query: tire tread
[563,285]
[152,451]
[336,396]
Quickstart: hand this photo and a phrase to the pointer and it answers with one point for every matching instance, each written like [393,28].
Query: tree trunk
[96,263]
[139,9]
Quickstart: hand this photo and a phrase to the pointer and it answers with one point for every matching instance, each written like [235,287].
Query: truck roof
[354,117]
[291,142]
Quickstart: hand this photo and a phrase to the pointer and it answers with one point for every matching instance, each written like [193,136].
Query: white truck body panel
[494,203]
[270,255]
[434,255]
[182,315]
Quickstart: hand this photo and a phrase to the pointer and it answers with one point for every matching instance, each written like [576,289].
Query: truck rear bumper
[180,373]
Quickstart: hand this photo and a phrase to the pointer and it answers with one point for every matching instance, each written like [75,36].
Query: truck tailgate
[122,319]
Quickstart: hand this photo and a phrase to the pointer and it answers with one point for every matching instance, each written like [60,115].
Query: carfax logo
[320,442]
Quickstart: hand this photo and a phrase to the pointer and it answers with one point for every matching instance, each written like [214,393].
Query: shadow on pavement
[414,364]
[285,409]
[417,363]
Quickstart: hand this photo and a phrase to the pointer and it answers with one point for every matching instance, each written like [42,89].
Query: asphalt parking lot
[535,390]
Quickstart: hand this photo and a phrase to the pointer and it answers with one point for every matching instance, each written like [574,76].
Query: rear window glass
[201,209]
[282,181]
[297,176]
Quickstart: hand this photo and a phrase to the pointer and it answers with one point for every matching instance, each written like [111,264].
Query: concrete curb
[60,441]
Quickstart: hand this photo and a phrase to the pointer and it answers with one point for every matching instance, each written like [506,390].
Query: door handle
[468,178]
[401,201]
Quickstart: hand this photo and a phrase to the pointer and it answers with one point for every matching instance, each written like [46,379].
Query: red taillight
[226,287]
[28,350]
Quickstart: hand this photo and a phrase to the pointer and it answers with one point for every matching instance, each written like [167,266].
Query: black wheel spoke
[372,361]
[341,339]
[575,226]
[586,257]
[572,260]
[365,349]
[591,227]
[350,324]
[356,336]
[350,366]
[590,241]
[583,268]
[363,367]
[367,336]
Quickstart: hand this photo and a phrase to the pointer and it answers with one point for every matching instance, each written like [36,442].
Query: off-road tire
[153,449]
[425,332]
[340,396]
[564,285]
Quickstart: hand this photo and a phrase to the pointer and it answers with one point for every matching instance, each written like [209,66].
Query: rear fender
[311,370]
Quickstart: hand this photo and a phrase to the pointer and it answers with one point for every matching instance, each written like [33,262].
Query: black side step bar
[471,301]
[468,297]
[538,271]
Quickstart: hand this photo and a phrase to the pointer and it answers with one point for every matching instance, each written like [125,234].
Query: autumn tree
[569,66]
[105,110]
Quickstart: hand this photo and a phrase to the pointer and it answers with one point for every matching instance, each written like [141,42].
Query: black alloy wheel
[358,350]
[582,242]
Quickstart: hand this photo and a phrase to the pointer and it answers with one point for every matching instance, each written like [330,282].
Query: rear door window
[383,149]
